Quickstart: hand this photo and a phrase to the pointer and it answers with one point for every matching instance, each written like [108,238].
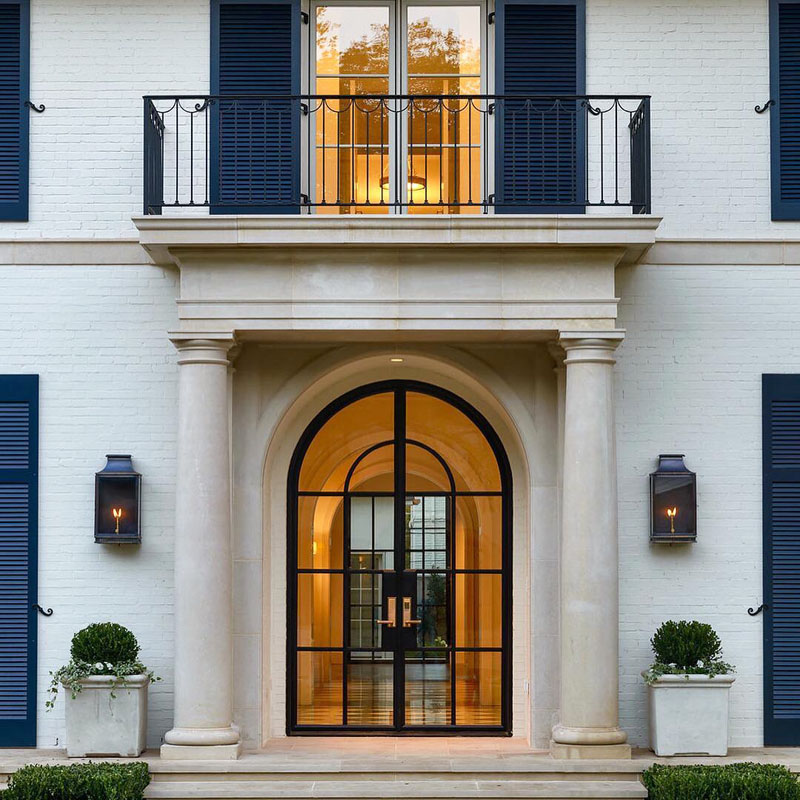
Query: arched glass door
[399,615]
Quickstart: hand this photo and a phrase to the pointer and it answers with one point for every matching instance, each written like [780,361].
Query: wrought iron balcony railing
[396,154]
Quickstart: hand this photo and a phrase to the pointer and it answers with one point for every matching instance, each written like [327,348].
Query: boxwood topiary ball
[685,643]
[104,641]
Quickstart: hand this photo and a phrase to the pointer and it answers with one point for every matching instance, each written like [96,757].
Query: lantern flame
[671,512]
[117,514]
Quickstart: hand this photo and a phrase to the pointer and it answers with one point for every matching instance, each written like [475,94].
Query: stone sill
[633,235]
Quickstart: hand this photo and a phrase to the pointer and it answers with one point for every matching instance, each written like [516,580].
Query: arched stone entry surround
[337,371]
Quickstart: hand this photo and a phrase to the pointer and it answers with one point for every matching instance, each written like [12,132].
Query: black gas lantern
[117,502]
[673,501]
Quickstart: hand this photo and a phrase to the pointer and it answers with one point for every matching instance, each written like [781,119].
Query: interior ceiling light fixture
[415,183]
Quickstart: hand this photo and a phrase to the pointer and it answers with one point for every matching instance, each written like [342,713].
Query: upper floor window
[14,27]
[398,77]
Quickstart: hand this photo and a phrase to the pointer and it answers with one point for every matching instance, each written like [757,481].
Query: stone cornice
[164,237]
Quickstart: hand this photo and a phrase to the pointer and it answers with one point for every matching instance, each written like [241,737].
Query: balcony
[396,154]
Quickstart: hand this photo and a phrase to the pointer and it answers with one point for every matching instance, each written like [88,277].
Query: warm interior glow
[357,53]
[415,183]
[117,514]
[671,512]
[349,558]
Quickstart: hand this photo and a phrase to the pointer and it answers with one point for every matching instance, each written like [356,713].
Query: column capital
[209,348]
[558,355]
[590,346]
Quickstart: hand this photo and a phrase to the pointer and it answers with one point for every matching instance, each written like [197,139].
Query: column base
[203,752]
[588,751]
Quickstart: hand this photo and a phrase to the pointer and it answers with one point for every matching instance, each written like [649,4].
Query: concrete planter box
[689,715]
[101,725]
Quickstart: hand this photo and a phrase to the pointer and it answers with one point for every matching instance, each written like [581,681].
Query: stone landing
[395,768]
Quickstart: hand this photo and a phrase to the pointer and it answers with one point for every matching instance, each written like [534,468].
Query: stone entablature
[495,275]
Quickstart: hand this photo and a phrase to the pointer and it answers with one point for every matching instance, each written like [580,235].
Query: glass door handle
[391,612]
[407,621]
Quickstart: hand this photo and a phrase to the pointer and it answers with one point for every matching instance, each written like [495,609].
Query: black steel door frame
[400,578]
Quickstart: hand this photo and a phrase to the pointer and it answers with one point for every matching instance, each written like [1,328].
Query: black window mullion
[345,603]
[399,547]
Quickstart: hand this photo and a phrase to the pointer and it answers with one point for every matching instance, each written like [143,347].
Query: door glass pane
[432,610]
[478,688]
[444,134]
[479,532]
[365,609]
[352,135]
[370,689]
[371,533]
[319,688]
[426,532]
[424,471]
[444,40]
[479,611]
[374,472]
[344,437]
[428,691]
[319,610]
[319,532]
[456,438]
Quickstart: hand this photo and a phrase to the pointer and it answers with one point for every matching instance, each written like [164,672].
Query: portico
[438,291]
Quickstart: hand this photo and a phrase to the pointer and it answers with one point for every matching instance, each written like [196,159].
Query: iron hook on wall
[754,612]
[34,107]
[762,109]
[48,613]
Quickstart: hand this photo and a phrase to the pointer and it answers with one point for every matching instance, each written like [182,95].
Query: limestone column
[589,720]
[203,566]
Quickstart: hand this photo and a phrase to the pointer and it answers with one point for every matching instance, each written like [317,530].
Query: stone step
[395,790]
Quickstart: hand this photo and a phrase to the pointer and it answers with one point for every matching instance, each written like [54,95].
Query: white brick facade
[699,336]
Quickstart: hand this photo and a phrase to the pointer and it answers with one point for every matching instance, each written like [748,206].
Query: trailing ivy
[91,781]
[686,648]
[743,781]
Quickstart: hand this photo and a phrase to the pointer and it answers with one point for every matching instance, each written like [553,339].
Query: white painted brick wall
[706,65]
[91,63]
[705,62]
[107,385]
[689,381]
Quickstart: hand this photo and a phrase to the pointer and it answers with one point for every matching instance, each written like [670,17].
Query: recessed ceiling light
[396,360]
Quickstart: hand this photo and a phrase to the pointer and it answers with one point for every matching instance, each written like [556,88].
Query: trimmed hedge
[91,781]
[744,781]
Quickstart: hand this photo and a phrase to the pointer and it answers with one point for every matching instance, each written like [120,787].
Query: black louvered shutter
[18,535]
[785,121]
[540,128]
[13,113]
[781,487]
[256,123]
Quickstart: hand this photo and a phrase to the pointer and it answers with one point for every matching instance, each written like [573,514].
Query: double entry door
[397,121]
[398,587]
